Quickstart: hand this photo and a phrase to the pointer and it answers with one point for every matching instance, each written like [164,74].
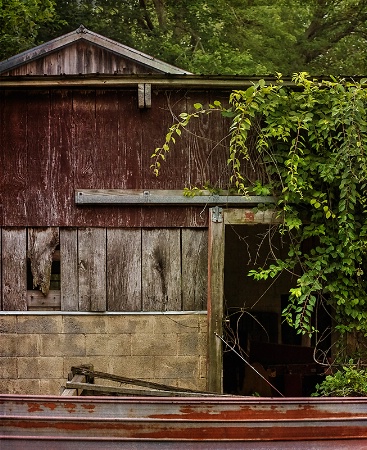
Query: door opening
[253,319]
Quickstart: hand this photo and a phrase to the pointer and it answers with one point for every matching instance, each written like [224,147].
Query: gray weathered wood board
[14,265]
[124,269]
[161,270]
[92,269]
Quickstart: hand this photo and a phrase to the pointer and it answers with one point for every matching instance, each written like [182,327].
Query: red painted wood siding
[55,141]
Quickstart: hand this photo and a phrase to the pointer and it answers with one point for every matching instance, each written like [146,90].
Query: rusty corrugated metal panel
[303,423]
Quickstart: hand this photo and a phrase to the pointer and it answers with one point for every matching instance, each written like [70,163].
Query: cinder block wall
[38,350]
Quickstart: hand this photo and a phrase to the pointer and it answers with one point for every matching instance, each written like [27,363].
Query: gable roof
[83,51]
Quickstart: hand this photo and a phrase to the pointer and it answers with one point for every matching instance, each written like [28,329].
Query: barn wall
[103,269]
[38,351]
[55,141]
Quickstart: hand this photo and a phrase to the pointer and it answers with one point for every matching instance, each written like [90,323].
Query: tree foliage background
[249,37]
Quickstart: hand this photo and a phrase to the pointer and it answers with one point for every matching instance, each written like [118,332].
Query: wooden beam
[163,81]
[163,197]
[215,304]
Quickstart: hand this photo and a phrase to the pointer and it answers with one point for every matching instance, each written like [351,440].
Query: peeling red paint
[249,216]
[34,407]
[170,419]
[89,408]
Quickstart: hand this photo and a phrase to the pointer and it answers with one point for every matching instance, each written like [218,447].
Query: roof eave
[83,33]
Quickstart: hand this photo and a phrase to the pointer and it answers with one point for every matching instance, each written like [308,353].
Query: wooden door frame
[218,219]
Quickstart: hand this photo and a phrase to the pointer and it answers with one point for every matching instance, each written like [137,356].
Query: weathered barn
[101,261]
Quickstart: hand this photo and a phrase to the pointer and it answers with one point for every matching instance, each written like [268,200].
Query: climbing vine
[312,139]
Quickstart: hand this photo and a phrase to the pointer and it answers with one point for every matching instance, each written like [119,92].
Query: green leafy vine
[312,138]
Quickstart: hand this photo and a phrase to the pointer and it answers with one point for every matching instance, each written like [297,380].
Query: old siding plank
[14,158]
[161,270]
[2,162]
[194,269]
[92,269]
[14,265]
[69,269]
[124,269]
[84,149]
[42,243]
[175,173]
[61,158]
[39,189]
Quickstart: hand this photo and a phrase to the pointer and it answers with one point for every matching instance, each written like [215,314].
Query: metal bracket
[217,214]
[144,95]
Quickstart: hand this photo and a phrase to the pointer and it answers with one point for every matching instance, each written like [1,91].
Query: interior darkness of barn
[254,324]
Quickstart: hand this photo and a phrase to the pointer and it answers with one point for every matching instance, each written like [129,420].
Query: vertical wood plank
[13,173]
[40,168]
[92,269]
[61,158]
[124,269]
[14,273]
[69,269]
[161,270]
[216,239]
[194,269]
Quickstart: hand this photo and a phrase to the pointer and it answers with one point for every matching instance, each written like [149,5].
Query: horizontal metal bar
[107,313]
[173,419]
[163,197]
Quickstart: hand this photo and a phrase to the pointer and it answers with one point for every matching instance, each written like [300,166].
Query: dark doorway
[253,319]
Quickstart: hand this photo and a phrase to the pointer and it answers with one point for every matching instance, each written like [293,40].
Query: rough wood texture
[37,301]
[92,269]
[14,273]
[215,305]
[161,270]
[13,154]
[80,57]
[124,269]
[56,141]
[69,269]
[194,269]
[42,243]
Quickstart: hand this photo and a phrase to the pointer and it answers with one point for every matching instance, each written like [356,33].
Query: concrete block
[203,323]
[203,367]
[156,344]
[39,324]
[175,323]
[8,324]
[8,368]
[108,345]
[8,345]
[179,367]
[188,344]
[203,344]
[52,387]
[23,387]
[28,345]
[62,345]
[40,367]
[84,324]
[130,324]
[141,367]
